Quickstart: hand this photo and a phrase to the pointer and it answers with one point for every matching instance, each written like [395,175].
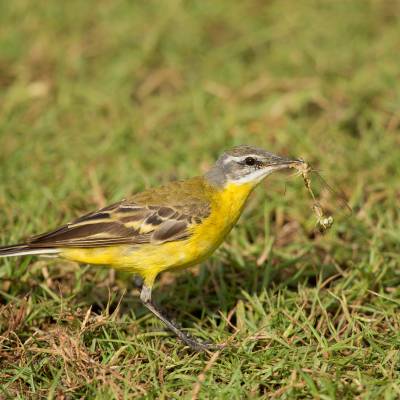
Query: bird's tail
[25,249]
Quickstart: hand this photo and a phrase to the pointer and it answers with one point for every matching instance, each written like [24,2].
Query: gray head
[246,164]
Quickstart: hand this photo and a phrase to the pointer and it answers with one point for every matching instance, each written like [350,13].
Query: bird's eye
[250,161]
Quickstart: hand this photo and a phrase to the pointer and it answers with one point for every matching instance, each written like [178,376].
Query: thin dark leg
[145,297]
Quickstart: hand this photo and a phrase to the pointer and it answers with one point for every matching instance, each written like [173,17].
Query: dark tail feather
[23,249]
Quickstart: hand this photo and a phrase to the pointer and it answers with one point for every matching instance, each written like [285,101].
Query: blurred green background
[102,99]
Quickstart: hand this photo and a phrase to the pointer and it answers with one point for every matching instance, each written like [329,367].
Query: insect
[324,221]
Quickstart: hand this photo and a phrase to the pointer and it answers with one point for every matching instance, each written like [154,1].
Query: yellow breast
[227,206]
[149,260]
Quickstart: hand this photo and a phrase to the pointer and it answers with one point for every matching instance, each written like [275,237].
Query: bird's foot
[197,345]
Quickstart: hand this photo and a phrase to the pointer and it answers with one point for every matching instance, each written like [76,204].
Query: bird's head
[246,165]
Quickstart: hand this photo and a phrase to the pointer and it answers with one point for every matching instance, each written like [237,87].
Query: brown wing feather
[144,219]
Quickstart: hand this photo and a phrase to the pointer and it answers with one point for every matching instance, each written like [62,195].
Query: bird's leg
[145,297]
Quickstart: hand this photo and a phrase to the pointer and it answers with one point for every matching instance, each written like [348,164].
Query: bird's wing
[127,222]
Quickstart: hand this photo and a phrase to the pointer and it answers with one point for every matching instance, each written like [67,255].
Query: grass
[101,99]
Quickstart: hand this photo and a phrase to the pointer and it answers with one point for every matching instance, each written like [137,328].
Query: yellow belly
[149,260]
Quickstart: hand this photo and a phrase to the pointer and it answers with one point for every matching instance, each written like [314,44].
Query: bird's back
[191,197]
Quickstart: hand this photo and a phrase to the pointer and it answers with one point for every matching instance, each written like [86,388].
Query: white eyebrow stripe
[230,158]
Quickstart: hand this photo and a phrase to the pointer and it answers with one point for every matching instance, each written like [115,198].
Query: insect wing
[334,199]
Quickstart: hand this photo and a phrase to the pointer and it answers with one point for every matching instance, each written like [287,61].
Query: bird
[171,227]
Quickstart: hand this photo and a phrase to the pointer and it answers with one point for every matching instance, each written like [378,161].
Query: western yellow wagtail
[171,227]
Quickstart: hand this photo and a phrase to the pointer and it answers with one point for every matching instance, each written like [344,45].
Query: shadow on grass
[205,290]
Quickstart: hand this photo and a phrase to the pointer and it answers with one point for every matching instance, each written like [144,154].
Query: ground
[102,99]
